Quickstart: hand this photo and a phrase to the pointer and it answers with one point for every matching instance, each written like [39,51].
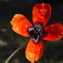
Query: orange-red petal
[41,13]
[20,24]
[34,51]
[54,32]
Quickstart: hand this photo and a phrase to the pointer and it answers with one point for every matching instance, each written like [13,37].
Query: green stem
[16,52]
[12,55]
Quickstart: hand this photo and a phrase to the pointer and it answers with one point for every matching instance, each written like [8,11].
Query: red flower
[40,15]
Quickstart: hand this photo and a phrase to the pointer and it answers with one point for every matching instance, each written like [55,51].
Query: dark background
[10,41]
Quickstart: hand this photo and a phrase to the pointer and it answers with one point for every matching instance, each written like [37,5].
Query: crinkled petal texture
[21,24]
[34,51]
[54,32]
[41,13]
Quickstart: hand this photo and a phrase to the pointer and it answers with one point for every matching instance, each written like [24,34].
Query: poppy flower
[38,31]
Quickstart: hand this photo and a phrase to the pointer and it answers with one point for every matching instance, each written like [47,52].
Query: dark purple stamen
[36,32]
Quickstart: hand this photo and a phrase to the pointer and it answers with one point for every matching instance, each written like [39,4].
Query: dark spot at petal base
[36,32]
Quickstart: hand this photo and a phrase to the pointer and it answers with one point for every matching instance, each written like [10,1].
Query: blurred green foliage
[10,41]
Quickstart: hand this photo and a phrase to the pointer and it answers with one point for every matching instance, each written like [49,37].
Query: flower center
[36,32]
